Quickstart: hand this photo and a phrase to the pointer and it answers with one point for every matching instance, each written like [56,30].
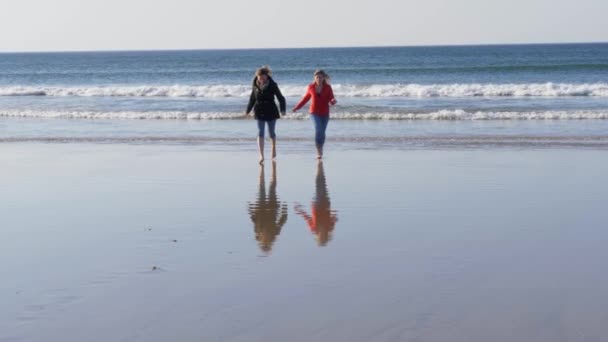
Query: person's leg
[321,122]
[317,122]
[261,127]
[273,137]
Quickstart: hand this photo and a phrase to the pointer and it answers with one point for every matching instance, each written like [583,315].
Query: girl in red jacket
[322,96]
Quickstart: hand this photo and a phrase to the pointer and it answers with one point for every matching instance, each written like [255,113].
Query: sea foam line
[471,141]
[456,114]
[340,90]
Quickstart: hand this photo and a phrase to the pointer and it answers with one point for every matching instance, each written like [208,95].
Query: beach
[151,242]
[460,198]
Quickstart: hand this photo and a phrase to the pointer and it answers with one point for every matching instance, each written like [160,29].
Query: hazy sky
[59,25]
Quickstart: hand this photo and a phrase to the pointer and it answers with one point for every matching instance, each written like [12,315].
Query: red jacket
[320,102]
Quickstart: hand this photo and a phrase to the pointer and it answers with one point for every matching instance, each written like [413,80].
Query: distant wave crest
[130,91]
[341,90]
[436,115]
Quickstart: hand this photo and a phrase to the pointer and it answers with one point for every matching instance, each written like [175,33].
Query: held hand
[333,102]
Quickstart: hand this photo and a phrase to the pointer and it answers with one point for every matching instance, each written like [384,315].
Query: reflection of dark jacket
[262,101]
[268,214]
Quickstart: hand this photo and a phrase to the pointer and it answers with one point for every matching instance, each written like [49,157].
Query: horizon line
[300,48]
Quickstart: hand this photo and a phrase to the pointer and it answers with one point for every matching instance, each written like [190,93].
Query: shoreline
[405,143]
[293,135]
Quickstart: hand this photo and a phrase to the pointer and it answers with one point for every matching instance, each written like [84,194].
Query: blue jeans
[271,125]
[321,122]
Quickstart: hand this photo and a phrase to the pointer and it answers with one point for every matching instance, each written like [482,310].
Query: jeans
[320,122]
[271,125]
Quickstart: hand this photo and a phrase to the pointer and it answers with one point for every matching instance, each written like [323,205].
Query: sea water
[386,95]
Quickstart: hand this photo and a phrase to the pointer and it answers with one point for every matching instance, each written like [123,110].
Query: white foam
[437,115]
[213,91]
[474,90]
[131,115]
[340,90]
[459,114]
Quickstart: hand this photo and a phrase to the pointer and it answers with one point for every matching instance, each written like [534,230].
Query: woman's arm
[251,102]
[281,98]
[332,99]
[298,209]
[303,100]
[283,216]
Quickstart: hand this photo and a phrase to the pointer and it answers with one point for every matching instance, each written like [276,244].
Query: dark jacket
[262,101]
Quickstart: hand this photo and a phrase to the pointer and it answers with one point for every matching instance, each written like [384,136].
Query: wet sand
[156,243]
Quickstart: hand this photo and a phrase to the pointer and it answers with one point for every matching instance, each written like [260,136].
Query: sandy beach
[106,242]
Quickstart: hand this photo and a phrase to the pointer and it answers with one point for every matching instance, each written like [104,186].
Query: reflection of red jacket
[320,102]
[321,218]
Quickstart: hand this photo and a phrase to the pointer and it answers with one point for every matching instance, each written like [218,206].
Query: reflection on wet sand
[322,219]
[267,213]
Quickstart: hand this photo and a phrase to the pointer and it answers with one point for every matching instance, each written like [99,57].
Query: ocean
[418,96]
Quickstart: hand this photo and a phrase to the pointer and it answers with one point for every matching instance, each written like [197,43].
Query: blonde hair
[264,70]
[322,72]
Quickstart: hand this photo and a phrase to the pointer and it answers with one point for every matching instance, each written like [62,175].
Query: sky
[76,25]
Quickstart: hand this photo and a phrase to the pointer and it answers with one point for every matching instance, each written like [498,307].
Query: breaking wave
[341,90]
[436,115]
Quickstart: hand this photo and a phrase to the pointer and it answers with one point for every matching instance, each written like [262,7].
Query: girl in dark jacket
[263,91]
